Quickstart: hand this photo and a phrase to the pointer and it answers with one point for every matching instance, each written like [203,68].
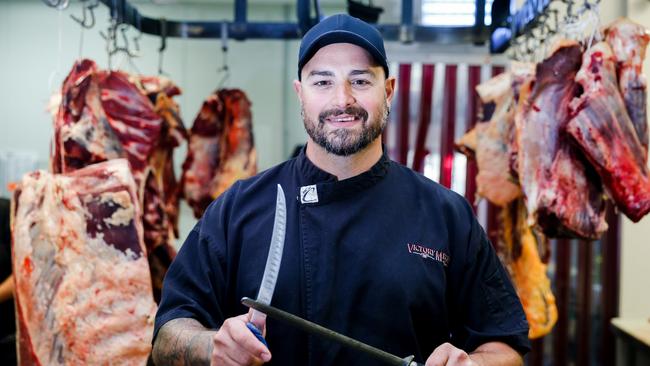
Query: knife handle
[256,332]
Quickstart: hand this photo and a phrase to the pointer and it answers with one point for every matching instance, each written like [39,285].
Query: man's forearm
[496,353]
[183,342]
[7,289]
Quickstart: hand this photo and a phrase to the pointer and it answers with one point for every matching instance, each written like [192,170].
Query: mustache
[356,112]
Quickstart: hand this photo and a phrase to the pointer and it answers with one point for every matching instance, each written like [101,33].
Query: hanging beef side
[221,148]
[563,194]
[82,133]
[523,79]
[104,115]
[493,180]
[606,134]
[83,294]
[629,41]
[492,141]
[161,190]
[519,250]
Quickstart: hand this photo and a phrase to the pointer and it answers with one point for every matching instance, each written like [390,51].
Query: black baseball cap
[342,28]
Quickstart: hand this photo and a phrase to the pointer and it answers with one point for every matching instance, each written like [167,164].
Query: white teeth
[346,119]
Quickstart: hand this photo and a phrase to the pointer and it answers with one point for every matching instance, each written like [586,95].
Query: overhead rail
[307,14]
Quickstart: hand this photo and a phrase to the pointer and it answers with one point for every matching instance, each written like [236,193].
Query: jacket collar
[328,188]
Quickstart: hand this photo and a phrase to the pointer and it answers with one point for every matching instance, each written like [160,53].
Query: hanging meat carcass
[493,180]
[519,250]
[103,115]
[221,148]
[604,131]
[82,134]
[469,141]
[161,190]
[629,41]
[496,145]
[83,292]
[563,194]
[172,135]
[523,77]
[491,142]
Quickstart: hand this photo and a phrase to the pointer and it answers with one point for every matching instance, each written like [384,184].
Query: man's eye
[322,83]
[360,82]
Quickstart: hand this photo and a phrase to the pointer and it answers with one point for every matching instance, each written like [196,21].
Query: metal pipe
[303,11]
[240,26]
[479,20]
[406,30]
[240,11]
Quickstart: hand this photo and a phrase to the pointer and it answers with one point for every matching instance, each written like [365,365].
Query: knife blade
[313,328]
[272,267]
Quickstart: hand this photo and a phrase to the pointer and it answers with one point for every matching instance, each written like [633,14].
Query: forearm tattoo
[183,342]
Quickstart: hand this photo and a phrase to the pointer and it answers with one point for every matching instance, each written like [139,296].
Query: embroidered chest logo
[425,252]
[308,194]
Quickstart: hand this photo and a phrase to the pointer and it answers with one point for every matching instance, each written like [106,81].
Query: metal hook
[224,45]
[224,50]
[163,44]
[109,37]
[572,13]
[136,39]
[88,7]
[126,49]
[59,4]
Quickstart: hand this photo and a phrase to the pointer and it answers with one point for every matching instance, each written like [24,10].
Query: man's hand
[448,355]
[491,353]
[185,341]
[234,344]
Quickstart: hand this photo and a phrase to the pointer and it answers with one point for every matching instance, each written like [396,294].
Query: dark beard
[342,141]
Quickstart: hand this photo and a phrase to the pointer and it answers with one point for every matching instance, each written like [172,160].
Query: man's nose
[343,96]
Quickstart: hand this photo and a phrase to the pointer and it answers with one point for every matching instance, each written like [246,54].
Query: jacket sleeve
[195,284]
[484,306]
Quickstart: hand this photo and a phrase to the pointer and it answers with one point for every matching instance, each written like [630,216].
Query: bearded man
[372,250]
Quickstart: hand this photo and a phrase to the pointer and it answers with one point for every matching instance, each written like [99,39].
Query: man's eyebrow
[362,72]
[320,73]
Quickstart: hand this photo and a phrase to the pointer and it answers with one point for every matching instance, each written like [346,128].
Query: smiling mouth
[342,119]
[345,117]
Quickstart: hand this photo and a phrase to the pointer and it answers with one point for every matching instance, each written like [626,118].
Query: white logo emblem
[308,194]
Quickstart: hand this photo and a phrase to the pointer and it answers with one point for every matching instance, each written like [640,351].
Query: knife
[313,328]
[272,267]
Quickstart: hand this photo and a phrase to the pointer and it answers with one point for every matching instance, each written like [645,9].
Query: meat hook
[163,44]
[88,21]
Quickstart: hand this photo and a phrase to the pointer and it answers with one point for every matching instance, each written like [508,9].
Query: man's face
[344,96]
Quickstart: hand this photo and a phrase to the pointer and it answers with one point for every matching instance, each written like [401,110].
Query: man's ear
[297,86]
[389,88]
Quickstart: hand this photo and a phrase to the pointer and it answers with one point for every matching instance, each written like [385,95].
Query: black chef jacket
[387,257]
